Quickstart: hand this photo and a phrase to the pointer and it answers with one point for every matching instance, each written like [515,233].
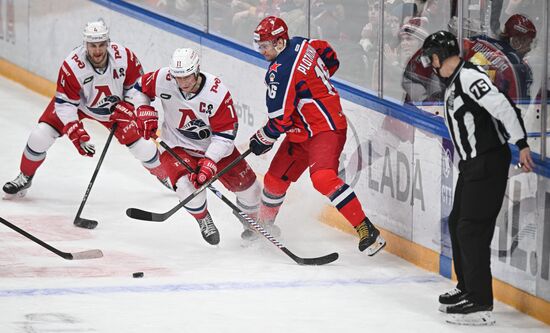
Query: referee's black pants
[477,201]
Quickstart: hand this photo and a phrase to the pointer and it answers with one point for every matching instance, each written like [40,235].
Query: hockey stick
[139,214]
[301,261]
[90,254]
[80,221]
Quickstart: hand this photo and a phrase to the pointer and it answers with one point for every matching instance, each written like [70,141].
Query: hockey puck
[137,275]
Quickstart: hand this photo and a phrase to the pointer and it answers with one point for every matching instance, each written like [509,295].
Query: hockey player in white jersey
[92,84]
[200,125]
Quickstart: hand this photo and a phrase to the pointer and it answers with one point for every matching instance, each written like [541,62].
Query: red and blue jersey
[300,99]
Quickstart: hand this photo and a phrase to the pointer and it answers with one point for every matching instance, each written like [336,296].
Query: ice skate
[369,238]
[18,187]
[208,230]
[450,298]
[469,313]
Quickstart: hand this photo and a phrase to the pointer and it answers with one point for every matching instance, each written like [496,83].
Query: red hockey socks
[28,167]
[340,194]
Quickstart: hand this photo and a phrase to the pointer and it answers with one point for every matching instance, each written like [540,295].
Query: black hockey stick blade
[85,223]
[90,254]
[318,261]
[144,215]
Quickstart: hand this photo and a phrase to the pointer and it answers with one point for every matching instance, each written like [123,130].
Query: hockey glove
[78,135]
[122,113]
[207,170]
[147,121]
[127,133]
[260,143]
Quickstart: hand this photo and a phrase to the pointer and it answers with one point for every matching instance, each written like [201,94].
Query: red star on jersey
[273,68]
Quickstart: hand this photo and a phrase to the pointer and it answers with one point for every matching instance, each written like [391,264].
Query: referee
[481,119]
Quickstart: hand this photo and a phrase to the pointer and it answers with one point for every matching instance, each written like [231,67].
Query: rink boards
[403,173]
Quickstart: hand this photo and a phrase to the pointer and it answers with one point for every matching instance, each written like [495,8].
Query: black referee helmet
[442,43]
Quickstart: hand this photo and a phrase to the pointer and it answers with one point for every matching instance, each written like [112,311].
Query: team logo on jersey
[271,77]
[195,129]
[273,68]
[165,96]
[104,106]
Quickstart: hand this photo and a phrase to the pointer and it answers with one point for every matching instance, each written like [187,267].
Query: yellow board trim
[32,81]
[429,260]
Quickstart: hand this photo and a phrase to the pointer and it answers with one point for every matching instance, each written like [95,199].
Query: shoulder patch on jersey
[88,79]
[479,88]
[165,96]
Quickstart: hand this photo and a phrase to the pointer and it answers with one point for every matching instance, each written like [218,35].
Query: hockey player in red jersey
[92,84]
[200,125]
[302,102]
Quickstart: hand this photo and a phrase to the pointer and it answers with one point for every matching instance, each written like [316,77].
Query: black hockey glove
[260,143]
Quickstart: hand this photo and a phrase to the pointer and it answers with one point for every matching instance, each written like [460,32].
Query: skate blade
[481,318]
[443,307]
[376,246]
[15,196]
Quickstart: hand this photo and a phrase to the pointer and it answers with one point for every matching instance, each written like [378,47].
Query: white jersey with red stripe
[81,87]
[205,123]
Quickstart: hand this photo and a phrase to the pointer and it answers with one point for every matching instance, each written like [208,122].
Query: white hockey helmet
[95,32]
[184,62]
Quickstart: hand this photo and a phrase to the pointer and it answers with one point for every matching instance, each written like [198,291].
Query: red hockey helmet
[271,28]
[519,25]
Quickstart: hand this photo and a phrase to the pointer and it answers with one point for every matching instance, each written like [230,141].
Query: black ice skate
[369,238]
[467,312]
[208,230]
[450,298]
[17,187]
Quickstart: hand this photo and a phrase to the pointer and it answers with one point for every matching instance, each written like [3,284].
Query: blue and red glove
[78,135]
[206,170]
[260,143]
[147,121]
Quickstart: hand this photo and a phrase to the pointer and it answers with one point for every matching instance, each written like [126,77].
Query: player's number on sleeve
[272,91]
[479,88]
[322,73]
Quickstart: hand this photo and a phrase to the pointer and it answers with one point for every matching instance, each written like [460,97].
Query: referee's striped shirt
[480,117]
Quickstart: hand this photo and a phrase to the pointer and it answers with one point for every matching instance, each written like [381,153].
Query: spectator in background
[333,25]
[248,13]
[437,13]
[369,44]
[294,13]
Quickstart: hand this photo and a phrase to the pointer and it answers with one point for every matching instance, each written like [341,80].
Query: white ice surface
[188,286]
